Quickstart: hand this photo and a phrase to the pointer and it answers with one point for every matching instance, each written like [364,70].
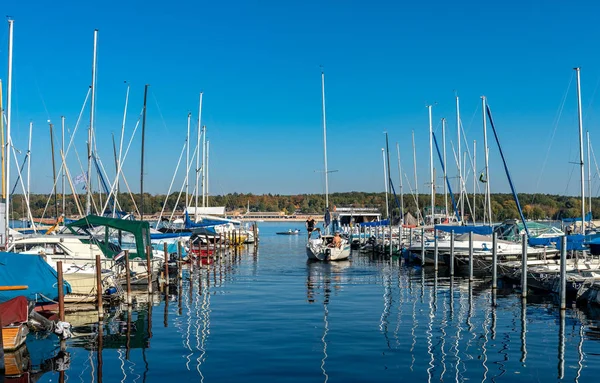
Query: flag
[80,179]
[327,217]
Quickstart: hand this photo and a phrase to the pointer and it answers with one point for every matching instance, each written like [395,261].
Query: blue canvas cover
[588,217]
[28,270]
[574,242]
[481,230]
[385,222]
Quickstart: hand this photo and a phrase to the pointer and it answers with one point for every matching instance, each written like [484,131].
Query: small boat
[322,249]
[289,232]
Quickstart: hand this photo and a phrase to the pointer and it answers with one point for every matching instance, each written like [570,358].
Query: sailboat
[324,248]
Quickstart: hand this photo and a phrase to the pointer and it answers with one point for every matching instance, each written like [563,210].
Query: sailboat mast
[400,185]
[431,179]
[460,172]
[88,204]
[2,140]
[589,173]
[385,180]
[8,126]
[581,164]
[29,162]
[142,159]
[445,165]
[487,173]
[415,172]
[198,156]
[53,169]
[187,162]
[474,178]
[62,189]
[117,188]
[207,169]
[204,166]
[325,140]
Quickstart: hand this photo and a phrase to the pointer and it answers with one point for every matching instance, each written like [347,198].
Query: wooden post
[255,233]
[410,237]
[470,256]
[207,246]
[494,261]
[452,253]
[128,277]
[179,261]
[149,266]
[99,288]
[166,255]
[422,247]
[61,292]
[563,273]
[435,250]
[524,267]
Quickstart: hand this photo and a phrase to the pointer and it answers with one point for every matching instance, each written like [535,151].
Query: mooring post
[435,250]
[179,261]
[452,253]
[149,266]
[166,255]
[128,277]
[563,273]
[494,261]
[61,292]
[524,267]
[255,233]
[470,256]
[99,288]
[410,237]
[422,246]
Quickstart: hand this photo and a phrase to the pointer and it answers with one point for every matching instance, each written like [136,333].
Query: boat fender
[110,291]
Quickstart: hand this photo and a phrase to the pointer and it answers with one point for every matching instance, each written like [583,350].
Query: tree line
[534,206]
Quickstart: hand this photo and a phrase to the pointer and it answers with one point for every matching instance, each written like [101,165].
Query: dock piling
[149,267]
[99,288]
[435,250]
[470,256]
[128,277]
[494,261]
[452,253]
[524,267]
[166,255]
[563,273]
[422,247]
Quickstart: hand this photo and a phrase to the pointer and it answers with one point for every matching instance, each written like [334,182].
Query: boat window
[58,250]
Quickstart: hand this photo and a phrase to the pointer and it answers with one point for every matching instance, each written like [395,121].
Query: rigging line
[170,187]
[40,94]
[588,110]
[159,112]
[471,121]
[181,190]
[556,121]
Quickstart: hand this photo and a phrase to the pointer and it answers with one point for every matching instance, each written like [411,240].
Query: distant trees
[538,206]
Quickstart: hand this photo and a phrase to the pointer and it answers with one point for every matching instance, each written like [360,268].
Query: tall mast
[400,185]
[581,164]
[117,188]
[114,213]
[204,166]
[88,205]
[207,168]
[63,176]
[460,173]
[385,180]
[474,178]
[431,179]
[198,155]
[53,170]
[142,162]
[415,172]
[445,166]
[8,125]
[589,172]
[187,162]
[389,177]
[29,162]
[487,173]
[325,140]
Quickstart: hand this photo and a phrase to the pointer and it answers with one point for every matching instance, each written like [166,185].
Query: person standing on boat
[310,226]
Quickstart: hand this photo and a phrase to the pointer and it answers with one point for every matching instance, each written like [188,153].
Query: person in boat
[337,240]
[310,226]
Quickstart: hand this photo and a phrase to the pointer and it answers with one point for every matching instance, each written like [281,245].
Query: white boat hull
[322,252]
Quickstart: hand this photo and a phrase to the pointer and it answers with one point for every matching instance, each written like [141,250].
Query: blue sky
[258,64]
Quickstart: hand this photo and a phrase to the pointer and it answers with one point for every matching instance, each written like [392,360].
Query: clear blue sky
[257,63]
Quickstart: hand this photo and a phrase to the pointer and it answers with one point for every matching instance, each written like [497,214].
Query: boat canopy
[385,222]
[32,272]
[139,229]
[588,217]
[481,230]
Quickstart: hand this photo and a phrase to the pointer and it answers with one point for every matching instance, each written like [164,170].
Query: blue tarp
[588,217]
[28,270]
[158,236]
[574,242]
[385,222]
[481,230]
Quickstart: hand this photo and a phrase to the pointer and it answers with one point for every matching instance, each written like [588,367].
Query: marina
[385,316]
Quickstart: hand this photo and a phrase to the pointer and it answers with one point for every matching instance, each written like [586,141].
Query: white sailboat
[323,248]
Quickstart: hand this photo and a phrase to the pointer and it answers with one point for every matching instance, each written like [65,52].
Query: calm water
[273,317]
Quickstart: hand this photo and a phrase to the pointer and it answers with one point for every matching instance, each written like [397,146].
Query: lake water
[271,316]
